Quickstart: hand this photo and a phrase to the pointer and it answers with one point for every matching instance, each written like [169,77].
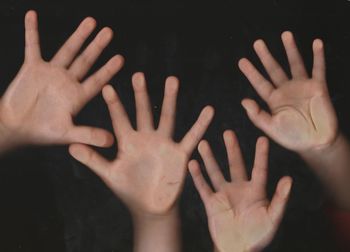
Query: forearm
[332,166]
[157,233]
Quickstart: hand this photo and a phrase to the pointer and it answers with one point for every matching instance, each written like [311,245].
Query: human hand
[39,105]
[149,170]
[240,216]
[302,116]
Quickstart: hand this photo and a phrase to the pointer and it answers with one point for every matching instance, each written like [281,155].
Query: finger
[71,47]
[279,200]
[319,68]
[201,185]
[89,135]
[211,165]
[32,50]
[259,117]
[93,85]
[84,62]
[120,120]
[294,58]
[275,71]
[234,155]
[259,173]
[144,115]
[263,87]
[195,134]
[168,115]
[90,158]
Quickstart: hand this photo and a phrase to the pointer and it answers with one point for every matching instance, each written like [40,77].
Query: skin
[240,216]
[301,117]
[40,103]
[149,170]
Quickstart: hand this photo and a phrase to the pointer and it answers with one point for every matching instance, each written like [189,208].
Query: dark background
[49,202]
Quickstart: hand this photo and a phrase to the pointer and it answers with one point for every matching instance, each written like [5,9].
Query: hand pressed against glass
[149,170]
[240,216]
[302,117]
[39,105]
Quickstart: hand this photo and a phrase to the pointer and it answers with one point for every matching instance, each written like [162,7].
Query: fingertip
[287,36]
[107,140]
[89,23]
[209,112]
[172,84]
[242,63]
[229,135]
[318,44]
[193,167]
[107,33]
[108,93]
[138,81]
[76,151]
[263,143]
[203,146]
[249,105]
[258,44]
[31,14]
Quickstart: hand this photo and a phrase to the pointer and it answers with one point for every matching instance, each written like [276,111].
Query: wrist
[6,140]
[145,217]
[324,150]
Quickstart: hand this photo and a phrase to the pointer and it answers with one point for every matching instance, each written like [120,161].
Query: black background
[49,202]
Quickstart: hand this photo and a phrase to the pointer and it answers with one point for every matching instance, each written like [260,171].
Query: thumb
[279,200]
[89,157]
[89,135]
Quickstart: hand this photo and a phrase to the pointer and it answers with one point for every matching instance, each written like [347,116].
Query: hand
[39,105]
[302,116]
[149,170]
[240,216]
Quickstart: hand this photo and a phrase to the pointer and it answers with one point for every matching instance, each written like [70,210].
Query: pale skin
[302,117]
[149,170]
[240,216]
[40,103]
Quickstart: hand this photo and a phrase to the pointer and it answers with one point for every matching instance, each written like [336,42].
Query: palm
[150,166]
[156,168]
[42,100]
[240,216]
[302,116]
[232,218]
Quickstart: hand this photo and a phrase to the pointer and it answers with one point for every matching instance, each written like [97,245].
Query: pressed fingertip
[287,35]
[318,44]
[193,167]
[203,145]
[249,106]
[108,93]
[138,81]
[258,44]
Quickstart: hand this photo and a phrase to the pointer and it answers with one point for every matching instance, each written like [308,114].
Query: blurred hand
[149,170]
[240,216]
[39,105]
[302,116]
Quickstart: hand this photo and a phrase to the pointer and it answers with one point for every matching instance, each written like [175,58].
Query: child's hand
[302,116]
[240,216]
[149,170]
[39,105]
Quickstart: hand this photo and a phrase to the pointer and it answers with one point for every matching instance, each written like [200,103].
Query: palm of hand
[154,166]
[302,115]
[299,115]
[42,93]
[40,103]
[236,221]
[149,170]
[240,217]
